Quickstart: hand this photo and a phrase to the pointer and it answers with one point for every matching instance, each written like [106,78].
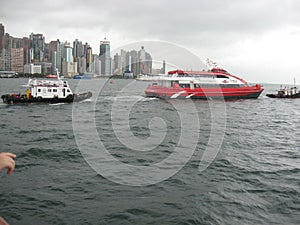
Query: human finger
[9,154]
[11,166]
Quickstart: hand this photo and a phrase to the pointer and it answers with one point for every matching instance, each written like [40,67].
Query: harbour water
[254,178]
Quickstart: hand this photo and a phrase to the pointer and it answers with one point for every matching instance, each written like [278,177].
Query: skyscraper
[78,49]
[17,60]
[55,48]
[145,61]
[89,59]
[69,67]
[1,36]
[38,46]
[105,57]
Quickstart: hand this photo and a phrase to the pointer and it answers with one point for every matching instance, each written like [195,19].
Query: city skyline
[257,39]
[33,54]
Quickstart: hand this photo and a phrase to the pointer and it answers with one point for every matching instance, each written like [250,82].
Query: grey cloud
[168,20]
[208,26]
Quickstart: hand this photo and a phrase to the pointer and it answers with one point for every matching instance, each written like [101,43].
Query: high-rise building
[117,64]
[82,65]
[56,58]
[17,60]
[26,48]
[78,49]
[163,69]
[2,32]
[38,46]
[67,53]
[133,65]
[133,61]
[145,61]
[89,59]
[105,57]
[69,67]
[96,65]
[54,62]
[5,60]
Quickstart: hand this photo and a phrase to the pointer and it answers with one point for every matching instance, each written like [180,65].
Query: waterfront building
[69,69]
[32,68]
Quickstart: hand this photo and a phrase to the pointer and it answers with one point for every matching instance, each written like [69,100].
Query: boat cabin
[48,89]
[288,91]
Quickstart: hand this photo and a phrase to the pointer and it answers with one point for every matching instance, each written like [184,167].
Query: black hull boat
[22,99]
[286,93]
[46,91]
[283,96]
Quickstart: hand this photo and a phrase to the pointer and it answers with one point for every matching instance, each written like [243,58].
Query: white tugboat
[286,92]
[46,91]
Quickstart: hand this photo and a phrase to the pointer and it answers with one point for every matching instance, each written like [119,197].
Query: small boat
[214,83]
[286,93]
[51,76]
[82,77]
[46,91]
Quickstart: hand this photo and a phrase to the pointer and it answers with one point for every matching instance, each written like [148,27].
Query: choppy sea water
[254,178]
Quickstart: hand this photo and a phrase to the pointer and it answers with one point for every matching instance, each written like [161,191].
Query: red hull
[204,93]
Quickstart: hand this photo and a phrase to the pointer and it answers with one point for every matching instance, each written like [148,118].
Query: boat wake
[61,103]
[86,100]
[129,98]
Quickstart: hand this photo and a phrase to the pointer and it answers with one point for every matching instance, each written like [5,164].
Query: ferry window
[222,76]
[54,90]
[68,90]
[49,90]
[39,90]
[197,85]
[184,85]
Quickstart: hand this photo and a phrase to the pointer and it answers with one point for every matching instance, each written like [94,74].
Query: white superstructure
[48,89]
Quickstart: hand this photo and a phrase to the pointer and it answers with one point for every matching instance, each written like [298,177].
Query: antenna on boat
[210,64]
[57,73]
[294,81]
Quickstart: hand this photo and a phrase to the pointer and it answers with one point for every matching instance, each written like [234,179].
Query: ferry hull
[16,99]
[204,93]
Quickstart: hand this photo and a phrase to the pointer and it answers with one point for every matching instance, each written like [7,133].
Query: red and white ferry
[214,83]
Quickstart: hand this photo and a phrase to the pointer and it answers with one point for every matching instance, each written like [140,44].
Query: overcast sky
[258,40]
